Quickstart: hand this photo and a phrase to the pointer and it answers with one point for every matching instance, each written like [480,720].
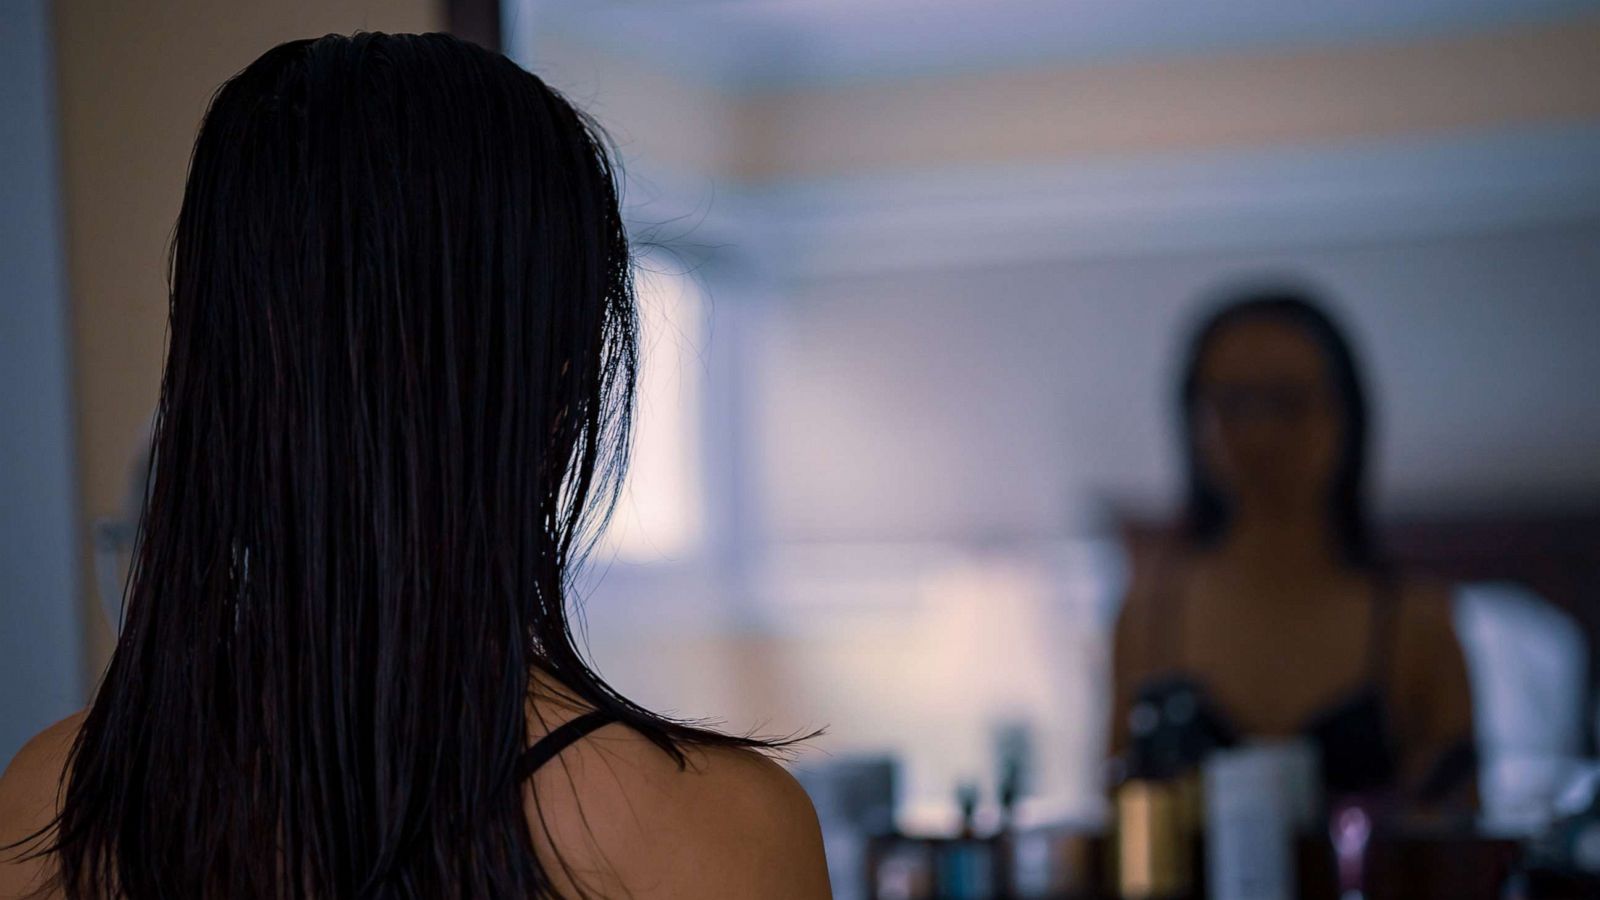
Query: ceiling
[772,44]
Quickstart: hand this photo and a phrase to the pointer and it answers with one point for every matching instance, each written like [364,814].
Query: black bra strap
[1167,616]
[551,745]
[1385,620]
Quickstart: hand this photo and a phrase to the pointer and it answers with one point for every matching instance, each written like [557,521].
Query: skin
[1273,621]
[28,792]
[625,821]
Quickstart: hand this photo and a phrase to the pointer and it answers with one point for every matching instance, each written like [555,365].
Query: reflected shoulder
[1426,604]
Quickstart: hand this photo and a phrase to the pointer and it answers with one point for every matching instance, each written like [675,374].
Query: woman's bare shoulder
[615,815]
[29,794]
[1426,605]
[29,788]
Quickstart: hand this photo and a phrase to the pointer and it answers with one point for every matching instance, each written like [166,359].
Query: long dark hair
[394,414]
[1208,511]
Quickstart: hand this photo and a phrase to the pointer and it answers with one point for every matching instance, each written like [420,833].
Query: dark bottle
[1158,801]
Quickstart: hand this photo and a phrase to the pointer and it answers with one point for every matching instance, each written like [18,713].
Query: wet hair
[394,415]
[1208,510]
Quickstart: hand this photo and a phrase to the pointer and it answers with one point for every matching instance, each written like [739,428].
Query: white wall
[40,644]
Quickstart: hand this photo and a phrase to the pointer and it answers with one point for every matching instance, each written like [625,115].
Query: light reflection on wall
[660,515]
[925,651]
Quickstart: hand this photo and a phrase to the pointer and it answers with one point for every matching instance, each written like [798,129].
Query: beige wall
[133,81]
[1509,77]
[683,126]
[1504,78]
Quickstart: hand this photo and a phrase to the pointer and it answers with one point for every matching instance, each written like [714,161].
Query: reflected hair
[1208,510]
[394,415]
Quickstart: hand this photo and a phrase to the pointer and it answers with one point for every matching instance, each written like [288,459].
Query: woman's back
[394,416]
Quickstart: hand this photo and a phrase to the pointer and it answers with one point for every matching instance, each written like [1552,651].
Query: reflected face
[1266,424]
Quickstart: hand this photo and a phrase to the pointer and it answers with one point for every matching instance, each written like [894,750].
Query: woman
[1277,602]
[395,406]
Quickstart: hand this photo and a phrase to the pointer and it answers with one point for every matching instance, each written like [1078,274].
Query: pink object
[1351,830]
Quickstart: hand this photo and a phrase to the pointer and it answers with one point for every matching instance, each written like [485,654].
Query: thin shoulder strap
[1167,609]
[564,736]
[1385,617]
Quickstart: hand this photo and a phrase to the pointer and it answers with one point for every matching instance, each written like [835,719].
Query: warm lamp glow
[660,514]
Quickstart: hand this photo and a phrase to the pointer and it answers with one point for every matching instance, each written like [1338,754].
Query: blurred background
[917,278]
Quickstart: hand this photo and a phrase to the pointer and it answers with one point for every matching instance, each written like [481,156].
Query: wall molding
[1356,192]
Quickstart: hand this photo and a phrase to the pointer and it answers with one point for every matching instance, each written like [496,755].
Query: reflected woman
[394,412]
[1276,600]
